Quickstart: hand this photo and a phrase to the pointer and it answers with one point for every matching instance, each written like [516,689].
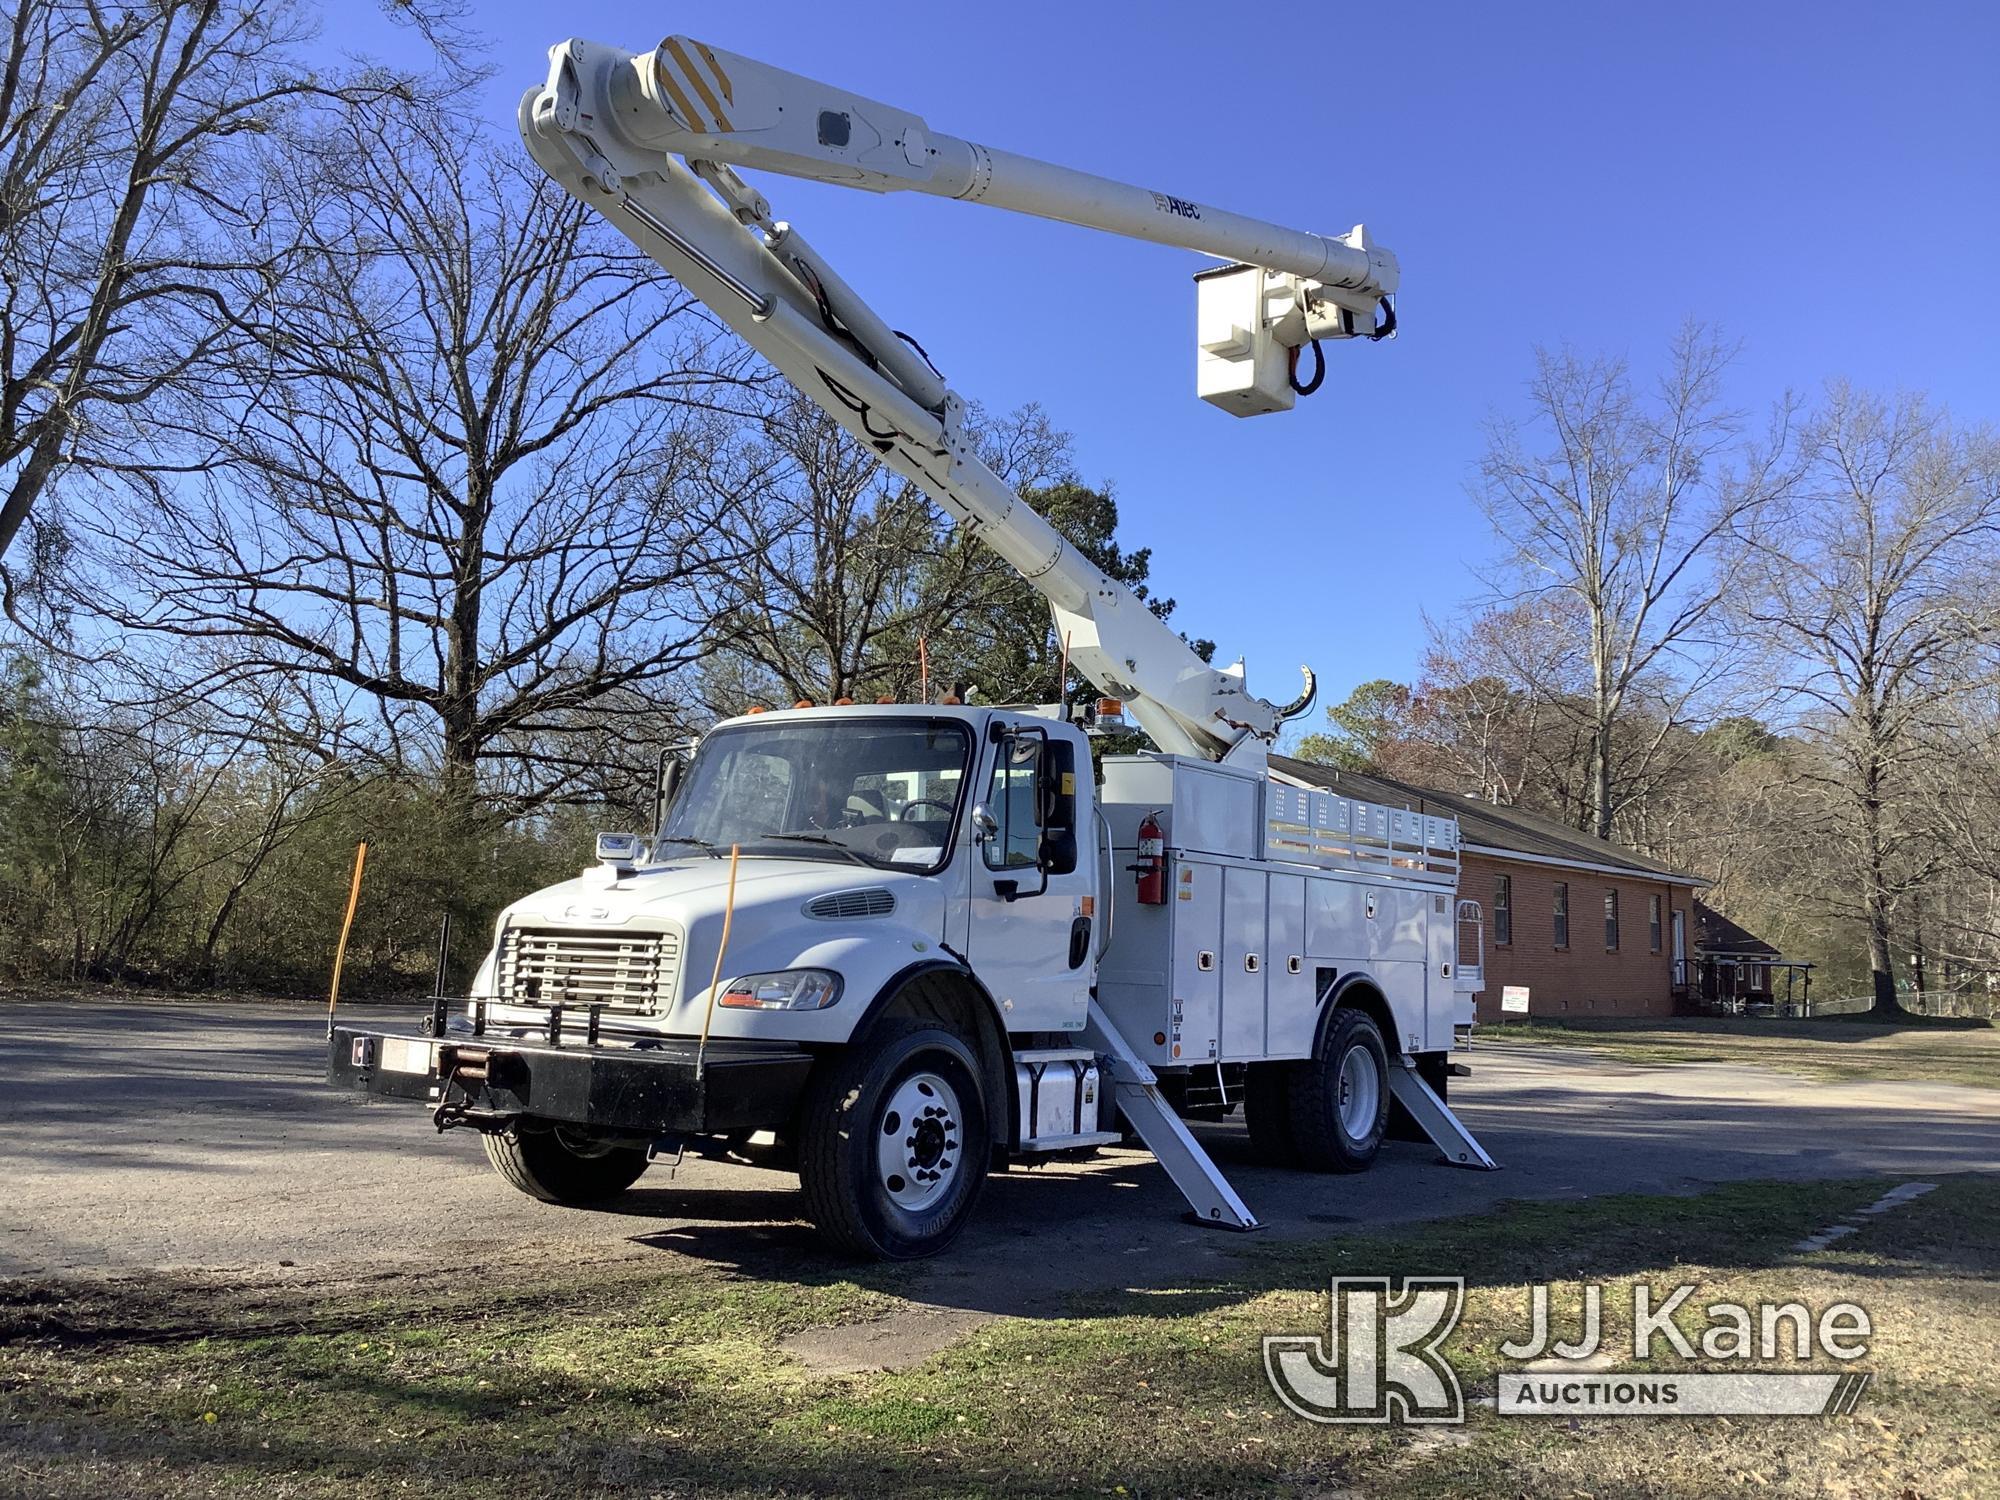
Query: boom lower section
[715,234]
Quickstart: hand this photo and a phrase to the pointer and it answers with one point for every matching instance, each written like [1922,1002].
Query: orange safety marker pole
[721,950]
[923,671]
[346,926]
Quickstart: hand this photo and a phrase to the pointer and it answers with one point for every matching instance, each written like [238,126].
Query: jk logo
[1379,1361]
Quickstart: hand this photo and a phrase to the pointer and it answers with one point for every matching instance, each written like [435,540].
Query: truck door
[1034,879]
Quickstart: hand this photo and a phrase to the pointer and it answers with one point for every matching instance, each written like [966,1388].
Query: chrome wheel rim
[917,1135]
[1360,1093]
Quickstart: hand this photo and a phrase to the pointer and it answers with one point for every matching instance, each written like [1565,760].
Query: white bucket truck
[898,946]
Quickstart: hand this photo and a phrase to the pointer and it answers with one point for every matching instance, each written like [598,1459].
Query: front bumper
[647,1089]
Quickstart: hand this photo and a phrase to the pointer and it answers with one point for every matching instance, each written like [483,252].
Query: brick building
[1589,928]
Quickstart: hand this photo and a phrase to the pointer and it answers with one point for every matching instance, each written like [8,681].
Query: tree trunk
[458,707]
[1600,781]
[1917,976]
[1881,965]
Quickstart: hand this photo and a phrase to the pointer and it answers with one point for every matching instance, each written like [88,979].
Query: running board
[1137,1091]
[1444,1128]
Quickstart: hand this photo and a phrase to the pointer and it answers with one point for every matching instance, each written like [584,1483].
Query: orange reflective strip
[700,84]
[681,101]
[728,88]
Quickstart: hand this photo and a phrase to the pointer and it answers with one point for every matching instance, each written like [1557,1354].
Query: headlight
[787,989]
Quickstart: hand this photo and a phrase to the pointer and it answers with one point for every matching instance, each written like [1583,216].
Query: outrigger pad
[1212,1200]
[1445,1129]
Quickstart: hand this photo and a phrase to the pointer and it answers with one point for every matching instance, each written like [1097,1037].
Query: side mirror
[620,849]
[984,823]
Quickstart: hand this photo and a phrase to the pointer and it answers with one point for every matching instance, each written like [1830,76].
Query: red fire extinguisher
[1152,866]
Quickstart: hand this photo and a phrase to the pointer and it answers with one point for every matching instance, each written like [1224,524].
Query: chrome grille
[874,902]
[620,971]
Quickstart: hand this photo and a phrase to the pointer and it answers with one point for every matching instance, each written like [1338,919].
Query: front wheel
[894,1141]
[556,1168]
[1340,1099]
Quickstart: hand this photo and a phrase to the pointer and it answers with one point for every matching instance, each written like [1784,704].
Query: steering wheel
[939,803]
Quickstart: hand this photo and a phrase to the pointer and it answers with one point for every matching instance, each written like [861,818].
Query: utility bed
[1275,894]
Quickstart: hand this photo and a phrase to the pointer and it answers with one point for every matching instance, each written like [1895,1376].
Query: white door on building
[1680,947]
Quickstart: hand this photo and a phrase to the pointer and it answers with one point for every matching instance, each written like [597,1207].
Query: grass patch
[1936,1049]
[678,1384]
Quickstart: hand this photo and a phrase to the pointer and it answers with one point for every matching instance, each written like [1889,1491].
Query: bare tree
[1486,713]
[1874,590]
[837,546]
[465,487]
[128,134]
[855,578]
[1614,508]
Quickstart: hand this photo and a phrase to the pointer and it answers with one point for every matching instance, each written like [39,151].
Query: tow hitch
[460,1067]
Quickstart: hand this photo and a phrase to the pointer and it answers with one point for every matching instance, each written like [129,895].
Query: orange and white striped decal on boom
[685,81]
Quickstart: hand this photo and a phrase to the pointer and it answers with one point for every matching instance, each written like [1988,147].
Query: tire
[1267,1111]
[1340,1099]
[543,1166]
[894,1142]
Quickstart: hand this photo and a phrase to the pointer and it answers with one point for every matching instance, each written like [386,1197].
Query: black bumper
[652,1090]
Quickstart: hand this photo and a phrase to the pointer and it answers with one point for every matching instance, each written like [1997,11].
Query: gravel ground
[199,1138]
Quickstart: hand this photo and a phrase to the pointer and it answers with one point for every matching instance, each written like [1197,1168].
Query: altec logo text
[1381,1361]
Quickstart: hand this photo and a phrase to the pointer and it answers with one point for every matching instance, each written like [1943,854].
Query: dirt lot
[229,1278]
[138,1137]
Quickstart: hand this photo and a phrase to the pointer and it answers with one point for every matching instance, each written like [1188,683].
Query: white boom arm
[650,141]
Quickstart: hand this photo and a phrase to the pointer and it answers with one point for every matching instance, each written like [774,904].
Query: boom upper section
[651,141]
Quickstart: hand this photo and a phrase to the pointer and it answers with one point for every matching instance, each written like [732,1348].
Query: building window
[1611,921]
[1653,923]
[1562,913]
[1503,910]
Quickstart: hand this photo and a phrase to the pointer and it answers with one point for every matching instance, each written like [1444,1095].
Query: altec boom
[984,987]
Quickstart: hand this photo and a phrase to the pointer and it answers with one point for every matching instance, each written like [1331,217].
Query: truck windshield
[871,791]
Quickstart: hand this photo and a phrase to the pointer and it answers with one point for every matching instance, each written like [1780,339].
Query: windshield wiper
[681,838]
[819,838]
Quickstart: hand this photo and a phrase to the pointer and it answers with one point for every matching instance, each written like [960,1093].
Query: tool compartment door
[1291,1009]
[1245,897]
[1194,1030]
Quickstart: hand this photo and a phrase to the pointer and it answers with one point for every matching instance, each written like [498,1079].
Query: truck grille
[620,971]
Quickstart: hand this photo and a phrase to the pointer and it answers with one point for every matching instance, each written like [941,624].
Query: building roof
[1715,934]
[1507,832]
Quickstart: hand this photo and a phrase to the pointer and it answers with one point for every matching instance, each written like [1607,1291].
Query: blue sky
[1820,181]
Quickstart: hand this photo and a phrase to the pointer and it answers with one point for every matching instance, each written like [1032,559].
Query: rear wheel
[559,1167]
[1340,1099]
[894,1141]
